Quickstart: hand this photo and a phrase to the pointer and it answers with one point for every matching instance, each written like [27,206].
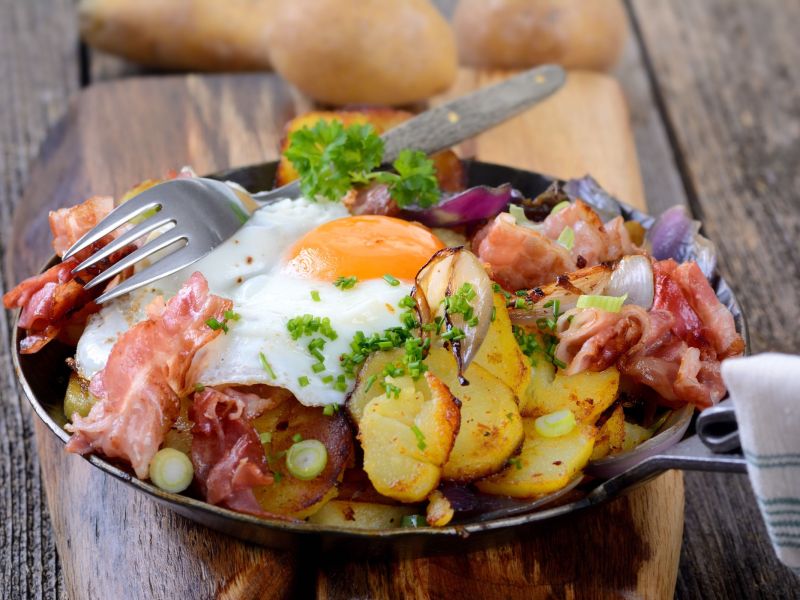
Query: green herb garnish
[346,283]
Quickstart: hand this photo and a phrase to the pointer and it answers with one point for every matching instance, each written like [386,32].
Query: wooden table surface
[714,90]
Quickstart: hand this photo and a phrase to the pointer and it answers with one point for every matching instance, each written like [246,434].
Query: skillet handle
[712,450]
[717,427]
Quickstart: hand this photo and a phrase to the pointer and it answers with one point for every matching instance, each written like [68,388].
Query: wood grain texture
[728,88]
[214,122]
[31,99]
[565,135]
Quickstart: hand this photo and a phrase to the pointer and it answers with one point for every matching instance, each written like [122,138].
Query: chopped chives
[420,437]
[297,438]
[266,366]
[199,387]
[315,295]
[346,283]
[391,280]
[370,380]
[232,316]
[265,437]
[303,381]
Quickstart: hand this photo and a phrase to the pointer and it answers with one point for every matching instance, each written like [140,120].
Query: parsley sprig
[331,159]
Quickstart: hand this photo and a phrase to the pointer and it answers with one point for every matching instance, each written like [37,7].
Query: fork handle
[452,122]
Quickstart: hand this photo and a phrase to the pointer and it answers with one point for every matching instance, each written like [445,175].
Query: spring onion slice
[559,207]
[567,238]
[171,470]
[307,459]
[413,521]
[555,424]
[607,303]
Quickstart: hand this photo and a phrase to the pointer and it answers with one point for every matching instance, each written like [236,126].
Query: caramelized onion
[633,275]
[443,276]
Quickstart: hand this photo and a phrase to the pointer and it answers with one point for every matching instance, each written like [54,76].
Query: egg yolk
[365,246]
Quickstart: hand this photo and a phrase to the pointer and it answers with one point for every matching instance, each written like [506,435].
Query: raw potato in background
[516,34]
[204,35]
[363,51]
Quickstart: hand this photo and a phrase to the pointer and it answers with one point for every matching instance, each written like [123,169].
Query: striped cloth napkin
[766,395]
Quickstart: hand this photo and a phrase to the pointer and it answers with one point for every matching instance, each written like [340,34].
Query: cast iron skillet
[44,378]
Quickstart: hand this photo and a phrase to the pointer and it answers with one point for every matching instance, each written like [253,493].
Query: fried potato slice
[611,435]
[491,427]
[361,515]
[544,465]
[500,354]
[408,436]
[289,495]
[586,394]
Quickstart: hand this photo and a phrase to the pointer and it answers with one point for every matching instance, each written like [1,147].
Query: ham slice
[228,457]
[593,340]
[138,390]
[523,257]
[520,257]
[716,318]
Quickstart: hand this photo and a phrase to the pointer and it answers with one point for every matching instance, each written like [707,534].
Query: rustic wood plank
[38,33]
[728,85]
[136,126]
[630,545]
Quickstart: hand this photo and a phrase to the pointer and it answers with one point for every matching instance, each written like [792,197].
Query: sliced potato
[544,465]
[407,438]
[634,435]
[611,435]
[289,495]
[500,354]
[491,428]
[586,394]
[361,515]
[78,399]
[439,512]
[365,391]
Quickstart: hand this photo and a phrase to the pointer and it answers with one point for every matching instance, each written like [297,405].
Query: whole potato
[363,51]
[515,34]
[205,35]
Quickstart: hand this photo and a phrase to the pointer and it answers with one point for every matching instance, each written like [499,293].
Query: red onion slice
[669,434]
[474,204]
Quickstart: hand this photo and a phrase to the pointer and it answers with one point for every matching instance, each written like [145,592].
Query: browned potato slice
[289,495]
[361,515]
[77,399]
[491,428]
[439,512]
[611,435]
[408,437]
[586,394]
[500,354]
[544,465]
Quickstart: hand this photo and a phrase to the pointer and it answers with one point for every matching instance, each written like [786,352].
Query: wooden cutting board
[114,543]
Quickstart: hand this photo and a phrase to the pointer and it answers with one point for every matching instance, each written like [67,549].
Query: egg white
[250,270]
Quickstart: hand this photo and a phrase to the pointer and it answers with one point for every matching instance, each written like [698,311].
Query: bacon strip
[716,318]
[49,301]
[524,257]
[228,457]
[138,390]
[520,257]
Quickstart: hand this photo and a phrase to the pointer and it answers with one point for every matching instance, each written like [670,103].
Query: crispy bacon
[138,390]
[593,340]
[520,257]
[228,457]
[716,318]
[525,257]
[70,224]
[51,301]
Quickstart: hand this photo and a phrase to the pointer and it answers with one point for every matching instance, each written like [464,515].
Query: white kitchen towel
[766,396]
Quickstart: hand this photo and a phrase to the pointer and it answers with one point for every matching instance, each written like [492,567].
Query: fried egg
[283,264]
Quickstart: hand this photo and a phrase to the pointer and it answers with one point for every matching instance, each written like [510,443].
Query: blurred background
[711,89]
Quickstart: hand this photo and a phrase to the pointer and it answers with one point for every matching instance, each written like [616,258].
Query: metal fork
[198,214]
